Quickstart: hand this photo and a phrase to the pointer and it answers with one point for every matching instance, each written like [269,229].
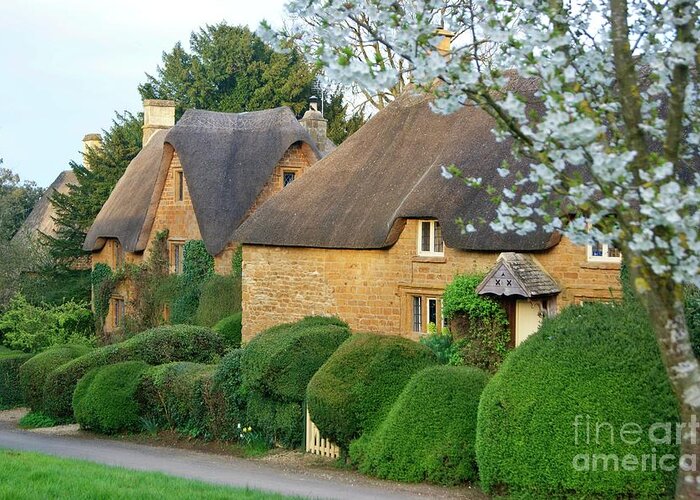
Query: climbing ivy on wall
[197,267]
[103,284]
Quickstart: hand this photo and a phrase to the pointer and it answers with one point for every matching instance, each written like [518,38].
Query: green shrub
[156,346]
[105,398]
[479,325]
[33,373]
[10,391]
[170,395]
[32,328]
[692,316]
[442,346]
[36,420]
[220,297]
[593,366]
[230,330]
[197,267]
[354,390]
[430,432]
[276,368]
[224,397]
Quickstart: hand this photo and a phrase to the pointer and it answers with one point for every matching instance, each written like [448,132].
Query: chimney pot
[444,47]
[90,141]
[157,115]
[313,102]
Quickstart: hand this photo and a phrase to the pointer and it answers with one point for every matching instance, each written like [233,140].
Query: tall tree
[16,201]
[76,210]
[616,135]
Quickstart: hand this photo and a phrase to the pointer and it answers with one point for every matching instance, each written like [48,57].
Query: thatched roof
[42,217]
[129,211]
[390,170]
[227,158]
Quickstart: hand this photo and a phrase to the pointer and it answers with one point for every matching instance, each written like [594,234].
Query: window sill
[434,259]
[601,265]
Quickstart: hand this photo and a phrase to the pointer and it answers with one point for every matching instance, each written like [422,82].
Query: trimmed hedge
[170,395]
[355,389]
[276,368]
[224,398]
[220,298]
[105,398]
[156,346]
[10,390]
[230,330]
[430,432]
[593,366]
[33,373]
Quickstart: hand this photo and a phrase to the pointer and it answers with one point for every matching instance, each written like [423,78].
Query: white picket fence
[316,444]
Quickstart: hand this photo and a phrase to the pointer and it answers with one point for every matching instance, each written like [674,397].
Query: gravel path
[220,469]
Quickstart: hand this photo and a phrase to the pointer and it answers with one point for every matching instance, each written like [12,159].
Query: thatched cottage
[199,179]
[369,234]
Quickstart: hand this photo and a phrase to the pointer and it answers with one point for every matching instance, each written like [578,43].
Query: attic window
[177,256]
[118,254]
[430,239]
[179,185]
[287,178]
[601,252]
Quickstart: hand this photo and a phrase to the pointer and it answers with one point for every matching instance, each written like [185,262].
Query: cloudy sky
[68,65]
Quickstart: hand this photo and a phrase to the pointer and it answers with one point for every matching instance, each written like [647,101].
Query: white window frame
[419,245]
[425,313]
[602,258]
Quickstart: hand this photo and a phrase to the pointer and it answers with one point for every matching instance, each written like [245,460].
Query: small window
[179,185]
[118,253]
[426,314]
[417,313]
[288,178]
[119,308]
[602,252]
[430,238]
[177,256]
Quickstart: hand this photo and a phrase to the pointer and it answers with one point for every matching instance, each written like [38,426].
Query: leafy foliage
[276,368]
[197,267]
[33,373]
[692,314]
[230,330]
[105,398]
[156,346]
[76,210]
[220,297]
[430,432]
[226,403]
[30,328]
[103,284]
[36,420]
[16,202]
[10,391]
[479,325]
[355,389]
[596,363]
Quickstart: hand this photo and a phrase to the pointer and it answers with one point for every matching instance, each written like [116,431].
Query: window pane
[597,250]
[613,252]
[287,178]
[180,186]
[425,236]
[432,311]
[438,238]
[417,311]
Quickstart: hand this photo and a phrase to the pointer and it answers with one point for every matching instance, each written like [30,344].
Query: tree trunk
[663,300]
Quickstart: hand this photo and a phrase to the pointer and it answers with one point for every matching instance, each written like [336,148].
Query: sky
[67,65]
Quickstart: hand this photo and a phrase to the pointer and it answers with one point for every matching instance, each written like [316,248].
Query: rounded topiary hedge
[10,390]
[430,432]
[276,367]
[156,346]
[230,330]
[554,418]
[105,398]
[354,390]
[33,373]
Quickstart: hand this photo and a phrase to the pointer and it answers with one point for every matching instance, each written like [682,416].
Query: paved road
[219,469]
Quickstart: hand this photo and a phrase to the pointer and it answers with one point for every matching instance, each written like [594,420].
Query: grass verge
[35,476]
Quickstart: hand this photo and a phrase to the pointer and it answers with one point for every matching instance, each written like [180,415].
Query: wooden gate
[316,444]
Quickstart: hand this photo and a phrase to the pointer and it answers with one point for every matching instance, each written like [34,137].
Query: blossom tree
[614,144]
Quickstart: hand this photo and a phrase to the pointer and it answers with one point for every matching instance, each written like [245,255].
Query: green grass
[34,476]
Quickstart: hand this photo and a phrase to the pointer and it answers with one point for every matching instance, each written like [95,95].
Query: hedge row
[10,390]
[156,346]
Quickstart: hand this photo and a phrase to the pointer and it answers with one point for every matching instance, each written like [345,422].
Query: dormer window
[288,177]
[602,252]
[430,242]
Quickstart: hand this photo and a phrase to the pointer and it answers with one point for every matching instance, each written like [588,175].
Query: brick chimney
[90,141]
[157,115]
[314,122]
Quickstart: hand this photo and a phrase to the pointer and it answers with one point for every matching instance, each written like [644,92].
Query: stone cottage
[199,179]
[370,233]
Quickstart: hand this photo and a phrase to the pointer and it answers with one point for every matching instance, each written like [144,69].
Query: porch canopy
[520,275]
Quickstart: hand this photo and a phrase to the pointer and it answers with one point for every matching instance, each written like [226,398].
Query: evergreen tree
[76,210]
[16,201]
